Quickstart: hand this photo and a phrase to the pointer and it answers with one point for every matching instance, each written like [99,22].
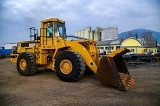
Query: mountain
[155,34]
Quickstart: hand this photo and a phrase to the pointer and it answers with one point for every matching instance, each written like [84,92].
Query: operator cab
[53,27]
[51,30]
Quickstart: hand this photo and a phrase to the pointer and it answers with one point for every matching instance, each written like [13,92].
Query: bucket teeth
[127,81]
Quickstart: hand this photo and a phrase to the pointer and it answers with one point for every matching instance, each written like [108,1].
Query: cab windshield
[60,30]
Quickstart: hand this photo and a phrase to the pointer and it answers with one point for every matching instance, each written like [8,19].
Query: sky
[17,16]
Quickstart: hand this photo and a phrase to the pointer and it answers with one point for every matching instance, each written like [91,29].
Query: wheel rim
[66,66]
[23,64]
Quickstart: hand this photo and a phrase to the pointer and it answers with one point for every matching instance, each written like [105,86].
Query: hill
[155,34]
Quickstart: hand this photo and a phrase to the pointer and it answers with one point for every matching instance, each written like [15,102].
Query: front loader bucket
[112,70]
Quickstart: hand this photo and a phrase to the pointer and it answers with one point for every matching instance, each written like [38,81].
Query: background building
[87,33]
[137,46]
[110,33]
[99,34]
[108,45]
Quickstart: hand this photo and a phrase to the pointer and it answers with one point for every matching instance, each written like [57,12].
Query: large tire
[69,66]
[26,64]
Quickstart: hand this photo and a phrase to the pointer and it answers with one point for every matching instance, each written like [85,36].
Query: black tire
[78,66]
[31,66]
[88,71]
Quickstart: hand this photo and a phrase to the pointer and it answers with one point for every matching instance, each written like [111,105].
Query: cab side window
[49,30]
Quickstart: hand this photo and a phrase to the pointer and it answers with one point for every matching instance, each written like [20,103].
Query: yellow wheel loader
[70,59]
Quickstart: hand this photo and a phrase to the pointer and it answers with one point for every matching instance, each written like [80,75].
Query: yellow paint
[52,20]
[90,56]
[114,53]
[14,60]
[66,66]
[131,42]
[135,46]
[23,64]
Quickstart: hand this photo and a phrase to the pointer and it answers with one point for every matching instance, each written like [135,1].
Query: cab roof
[53,20]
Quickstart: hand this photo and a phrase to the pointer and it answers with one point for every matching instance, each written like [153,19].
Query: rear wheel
[69,66]
[26,64]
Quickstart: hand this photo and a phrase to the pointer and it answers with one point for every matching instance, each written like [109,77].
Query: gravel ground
[45,89]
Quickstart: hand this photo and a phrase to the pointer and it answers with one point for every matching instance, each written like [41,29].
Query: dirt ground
[45,89]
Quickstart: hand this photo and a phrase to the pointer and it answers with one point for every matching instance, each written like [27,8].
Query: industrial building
[131,43]
[107,37]
[136,46]
[87,33]
[110,33]
[99,34]
[108,40]
[108,46]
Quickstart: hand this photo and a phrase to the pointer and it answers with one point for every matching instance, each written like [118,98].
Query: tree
[148,39]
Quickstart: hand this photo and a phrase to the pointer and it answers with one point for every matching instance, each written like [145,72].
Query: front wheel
[26,64]
[69,66]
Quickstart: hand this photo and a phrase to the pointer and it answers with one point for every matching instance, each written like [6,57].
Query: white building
[99,34]
[87,33]
[110,33]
